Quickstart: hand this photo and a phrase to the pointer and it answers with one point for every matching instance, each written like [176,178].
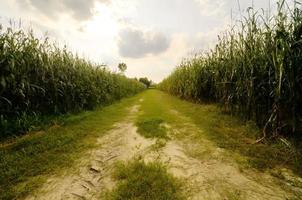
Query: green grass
[140,181]
[226,131]
[152,106]
[154,116]
[151,128]
[28,160]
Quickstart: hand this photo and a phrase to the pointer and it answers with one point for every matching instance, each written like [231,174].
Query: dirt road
[206,170]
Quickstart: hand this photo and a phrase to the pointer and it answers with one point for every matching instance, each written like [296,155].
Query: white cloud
[136,43]
[78,9]
[158,67]
[213,8]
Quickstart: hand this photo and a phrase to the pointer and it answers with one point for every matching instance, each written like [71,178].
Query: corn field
[37,78]
[254,71]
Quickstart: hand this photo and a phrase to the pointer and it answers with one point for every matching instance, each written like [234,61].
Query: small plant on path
[144,181]
[151,128]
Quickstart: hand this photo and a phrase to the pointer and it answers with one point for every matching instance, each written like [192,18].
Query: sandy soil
[214,176]
[93,174]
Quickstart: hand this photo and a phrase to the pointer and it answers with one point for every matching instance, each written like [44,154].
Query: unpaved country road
[214,175]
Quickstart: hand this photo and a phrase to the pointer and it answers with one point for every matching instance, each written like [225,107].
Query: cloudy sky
[151,36]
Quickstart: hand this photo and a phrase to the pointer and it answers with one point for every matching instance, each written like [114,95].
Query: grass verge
[226,131]
[140,181]
[26,162]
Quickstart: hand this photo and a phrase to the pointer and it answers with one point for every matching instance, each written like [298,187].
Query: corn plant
[37,78]
[255,71]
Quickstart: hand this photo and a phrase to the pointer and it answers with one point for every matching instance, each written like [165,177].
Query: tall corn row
[254,71]
[37,78]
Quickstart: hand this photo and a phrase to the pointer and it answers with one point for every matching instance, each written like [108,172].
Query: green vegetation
[228,132]
[145,81]
[141,181]
[254,71]
[152,128]
[38,79]
[26,162]
[122,67]
[154,116]
[153,106]
[237,136]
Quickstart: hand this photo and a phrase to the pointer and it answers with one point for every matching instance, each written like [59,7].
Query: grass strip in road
[145,181]
[154,115]
[151,128]
[25,163]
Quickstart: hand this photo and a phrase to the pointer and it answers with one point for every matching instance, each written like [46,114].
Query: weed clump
[141,181]
[151,128]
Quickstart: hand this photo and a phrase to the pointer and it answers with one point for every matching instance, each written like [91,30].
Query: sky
[150,36]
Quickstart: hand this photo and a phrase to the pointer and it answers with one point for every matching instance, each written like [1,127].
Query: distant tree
[122,67]
[145,81]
